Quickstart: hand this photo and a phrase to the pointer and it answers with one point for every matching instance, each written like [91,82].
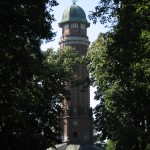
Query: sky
[92,32]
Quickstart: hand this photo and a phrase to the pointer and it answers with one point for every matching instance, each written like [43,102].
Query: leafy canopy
[120,68]
[32,82]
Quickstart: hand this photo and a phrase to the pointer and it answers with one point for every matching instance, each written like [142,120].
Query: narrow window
[75,134]
[66,26]
[75,110]
[74,122]
[74,25]
[82,26]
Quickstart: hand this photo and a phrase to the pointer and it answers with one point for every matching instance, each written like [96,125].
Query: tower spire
[74,1]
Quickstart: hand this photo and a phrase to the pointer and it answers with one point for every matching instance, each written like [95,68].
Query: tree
[31,84]
[110,145]
[31,121]
[120,68]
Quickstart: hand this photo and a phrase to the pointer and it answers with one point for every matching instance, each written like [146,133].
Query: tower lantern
[74,1]
[76,121]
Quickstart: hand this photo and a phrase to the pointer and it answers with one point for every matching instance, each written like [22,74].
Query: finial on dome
[74,1]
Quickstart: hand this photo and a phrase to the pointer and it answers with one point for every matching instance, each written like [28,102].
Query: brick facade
[76,120]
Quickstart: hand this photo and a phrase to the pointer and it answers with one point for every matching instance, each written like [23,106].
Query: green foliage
[31,84]
[111,145]
[148,147]
[120,68]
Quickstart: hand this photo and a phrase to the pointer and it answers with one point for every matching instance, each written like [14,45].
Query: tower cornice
[75,40]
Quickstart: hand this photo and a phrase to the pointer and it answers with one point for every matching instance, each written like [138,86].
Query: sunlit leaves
[31,85]
[119,68]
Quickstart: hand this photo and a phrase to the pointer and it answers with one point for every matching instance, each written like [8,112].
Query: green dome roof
[74,13]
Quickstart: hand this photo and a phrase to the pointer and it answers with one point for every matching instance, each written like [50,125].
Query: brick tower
[77,117]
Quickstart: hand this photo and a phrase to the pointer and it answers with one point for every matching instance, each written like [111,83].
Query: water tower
[76,121]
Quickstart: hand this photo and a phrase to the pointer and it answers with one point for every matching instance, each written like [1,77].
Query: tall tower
[77,117]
